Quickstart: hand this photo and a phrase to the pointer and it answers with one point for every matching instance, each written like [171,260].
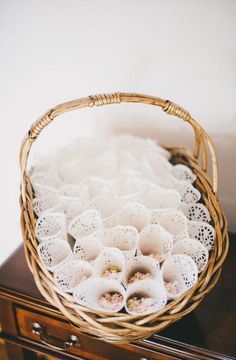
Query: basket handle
[202,140]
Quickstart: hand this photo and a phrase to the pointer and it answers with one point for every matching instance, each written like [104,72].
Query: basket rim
[122,327]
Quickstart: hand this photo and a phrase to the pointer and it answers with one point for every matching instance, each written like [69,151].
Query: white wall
[56,50]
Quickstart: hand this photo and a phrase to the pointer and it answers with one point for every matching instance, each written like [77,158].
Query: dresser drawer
[59,335]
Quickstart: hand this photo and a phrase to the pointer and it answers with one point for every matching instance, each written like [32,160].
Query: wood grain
[211,327]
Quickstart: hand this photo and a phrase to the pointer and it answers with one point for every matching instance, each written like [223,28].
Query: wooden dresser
[29,324]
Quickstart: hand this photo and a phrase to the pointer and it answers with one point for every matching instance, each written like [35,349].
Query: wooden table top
[211,326]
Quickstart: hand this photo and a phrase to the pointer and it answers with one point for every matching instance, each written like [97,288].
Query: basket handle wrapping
[202,140]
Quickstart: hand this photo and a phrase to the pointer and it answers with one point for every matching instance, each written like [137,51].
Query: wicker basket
[120,327]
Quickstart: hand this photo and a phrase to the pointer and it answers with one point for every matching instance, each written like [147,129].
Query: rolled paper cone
[194,249]
[125,199]
[168,181]
[203,232]
[156,215]
[54,253]
[86,224]
[147,172]
[80,149]
[122,237]
[154,147]
[44,204]
[92,293]
[173,281]
[145,297]
[74,178]
[167,199]
[65,154]
[67,168]
[196,212]
[46,178]
[110,221]
[44,190]
[175,223]
[73,208]
[146,147]
[129,172]
[170,199]
[139,268]
[150,186]
[139,148]
[73,191]
[179,273]
[73,170]
[104,204]
[159,165]
[134,214]
[73,199]
[72,274]
[155,241]
[110,264]
[182,172]
[87,248]
[100,186]
[105,164]
[51,225]
[128,186]
[128,161]
[189,194]
[144,185]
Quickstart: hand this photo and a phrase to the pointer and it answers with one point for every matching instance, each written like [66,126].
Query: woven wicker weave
[120,328]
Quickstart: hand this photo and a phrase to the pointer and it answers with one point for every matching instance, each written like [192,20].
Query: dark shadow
[187,330]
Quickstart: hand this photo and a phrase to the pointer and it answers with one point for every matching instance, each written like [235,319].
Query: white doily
[182,172]
[54,253]
[49,203]
[181,269]
[189,194]
[135,214]
[194,249]
[50,179]
[73,199]
[85,224]
[87,248]
[69,276]
[100,186]
[105,164]
[146,289]
[123,237]
[44,190]
[203,232]
[175,223]
[51,226]
[91,290]
[109,212]
[157,214]
[160,166]
[167,199]
[143,265]
[155,241]
[196,212]
[74,192]
[106,205]
[113,258]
